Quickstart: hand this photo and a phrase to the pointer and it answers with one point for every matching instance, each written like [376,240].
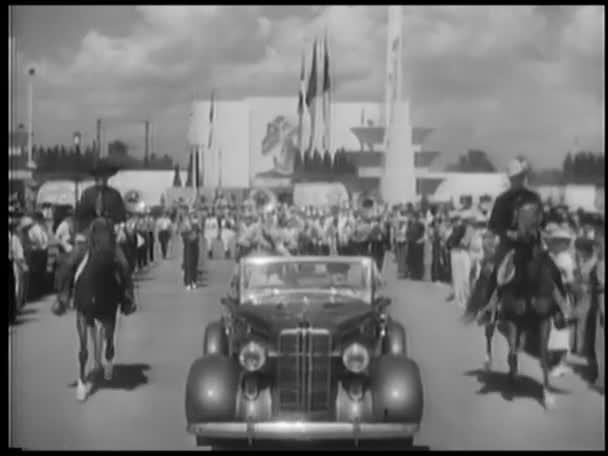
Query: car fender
[211,389]
[396,387]
[395,341]
[215,340]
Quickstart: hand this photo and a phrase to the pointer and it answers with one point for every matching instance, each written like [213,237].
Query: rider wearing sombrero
[502,224]
[100,200]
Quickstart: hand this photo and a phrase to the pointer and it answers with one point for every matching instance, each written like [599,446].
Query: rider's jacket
[98,201]
[502,218]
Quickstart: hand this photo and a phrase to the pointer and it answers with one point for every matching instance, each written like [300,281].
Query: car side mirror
[381,303]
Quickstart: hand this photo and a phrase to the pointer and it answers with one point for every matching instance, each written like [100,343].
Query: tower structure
[398,182]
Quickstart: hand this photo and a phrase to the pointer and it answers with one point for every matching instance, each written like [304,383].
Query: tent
[61,192]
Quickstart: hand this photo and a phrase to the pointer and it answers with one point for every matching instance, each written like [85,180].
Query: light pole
[30,136]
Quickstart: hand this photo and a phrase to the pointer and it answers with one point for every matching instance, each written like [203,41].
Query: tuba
[368,203]
[134,202]
[262,199]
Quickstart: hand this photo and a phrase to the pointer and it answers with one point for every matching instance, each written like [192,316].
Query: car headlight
[252,357]
[356,358]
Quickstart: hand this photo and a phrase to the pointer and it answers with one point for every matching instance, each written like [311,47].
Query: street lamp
[30,137]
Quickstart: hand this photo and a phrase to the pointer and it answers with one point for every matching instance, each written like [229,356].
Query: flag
[311,95]
[210,143]
[211,115]
[301,98]
[220,164]
[326,98]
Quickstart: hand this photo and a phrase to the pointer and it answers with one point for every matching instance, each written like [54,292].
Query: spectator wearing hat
[18,270]
[36,252]
[559,242]
[415,247]
[598,358]
[587,291]
[476,246]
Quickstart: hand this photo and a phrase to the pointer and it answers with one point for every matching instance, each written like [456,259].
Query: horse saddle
[83,264]
[506,269]
[81,267]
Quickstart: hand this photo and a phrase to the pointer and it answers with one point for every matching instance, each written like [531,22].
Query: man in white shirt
[163,229]
[18,270]
[65,232]
[36,252]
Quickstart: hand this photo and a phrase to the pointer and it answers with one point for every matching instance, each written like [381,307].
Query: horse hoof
[549,401]
[487,365]
[108,371]
[82,391]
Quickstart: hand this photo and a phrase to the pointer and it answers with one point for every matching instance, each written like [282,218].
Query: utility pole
[98,151]
[146,145]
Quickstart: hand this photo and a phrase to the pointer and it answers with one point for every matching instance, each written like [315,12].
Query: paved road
[143,408]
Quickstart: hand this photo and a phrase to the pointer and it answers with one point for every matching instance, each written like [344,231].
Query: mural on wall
[279,146]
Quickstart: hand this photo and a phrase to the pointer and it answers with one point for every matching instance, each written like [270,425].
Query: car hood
[335,312]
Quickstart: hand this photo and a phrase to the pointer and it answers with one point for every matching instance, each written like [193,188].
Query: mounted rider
[503,224]
[100,200]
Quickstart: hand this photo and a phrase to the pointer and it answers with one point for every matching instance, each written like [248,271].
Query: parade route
[142,408]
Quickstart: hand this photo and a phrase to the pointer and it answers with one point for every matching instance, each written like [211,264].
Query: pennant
[326,97]
[301,98]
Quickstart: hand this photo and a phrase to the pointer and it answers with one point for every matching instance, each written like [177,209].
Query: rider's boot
[564,316]
[127,304]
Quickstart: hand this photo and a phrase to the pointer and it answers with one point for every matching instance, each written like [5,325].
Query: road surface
[143,407]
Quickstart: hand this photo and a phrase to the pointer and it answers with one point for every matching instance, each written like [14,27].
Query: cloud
[521,77]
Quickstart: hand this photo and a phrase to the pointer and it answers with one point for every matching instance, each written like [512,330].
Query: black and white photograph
[306,227]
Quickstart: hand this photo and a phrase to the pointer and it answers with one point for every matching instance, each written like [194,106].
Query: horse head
[101,236]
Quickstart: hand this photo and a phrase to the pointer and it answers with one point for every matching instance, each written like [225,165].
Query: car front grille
[304,371]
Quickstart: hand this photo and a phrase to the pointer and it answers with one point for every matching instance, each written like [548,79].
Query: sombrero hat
[103,168]
[26,222]
[556,232]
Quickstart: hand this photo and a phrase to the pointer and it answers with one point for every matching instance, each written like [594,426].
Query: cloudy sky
[508,79]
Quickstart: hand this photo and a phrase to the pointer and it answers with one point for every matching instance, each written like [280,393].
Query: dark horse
[527,290]
[98,292]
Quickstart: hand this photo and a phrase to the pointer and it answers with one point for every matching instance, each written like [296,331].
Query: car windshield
[349,276]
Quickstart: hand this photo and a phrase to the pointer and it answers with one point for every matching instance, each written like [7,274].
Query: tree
[335,166]
[307,161]
[118,149]
[567,167]
[327,164]
[474,161]
[177,181]
[317,161]
[167,162]
[297,162]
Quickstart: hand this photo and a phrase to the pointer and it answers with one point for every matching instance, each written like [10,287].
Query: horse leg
[95,332]
[82,388]
[489,333]
[545,330]
[512,339]
[109,328]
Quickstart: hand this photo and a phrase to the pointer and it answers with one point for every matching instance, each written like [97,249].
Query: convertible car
[305,351]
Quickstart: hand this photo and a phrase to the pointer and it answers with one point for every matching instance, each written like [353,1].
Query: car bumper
[273,430]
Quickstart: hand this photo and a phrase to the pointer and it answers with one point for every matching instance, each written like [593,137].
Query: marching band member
[400,242]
